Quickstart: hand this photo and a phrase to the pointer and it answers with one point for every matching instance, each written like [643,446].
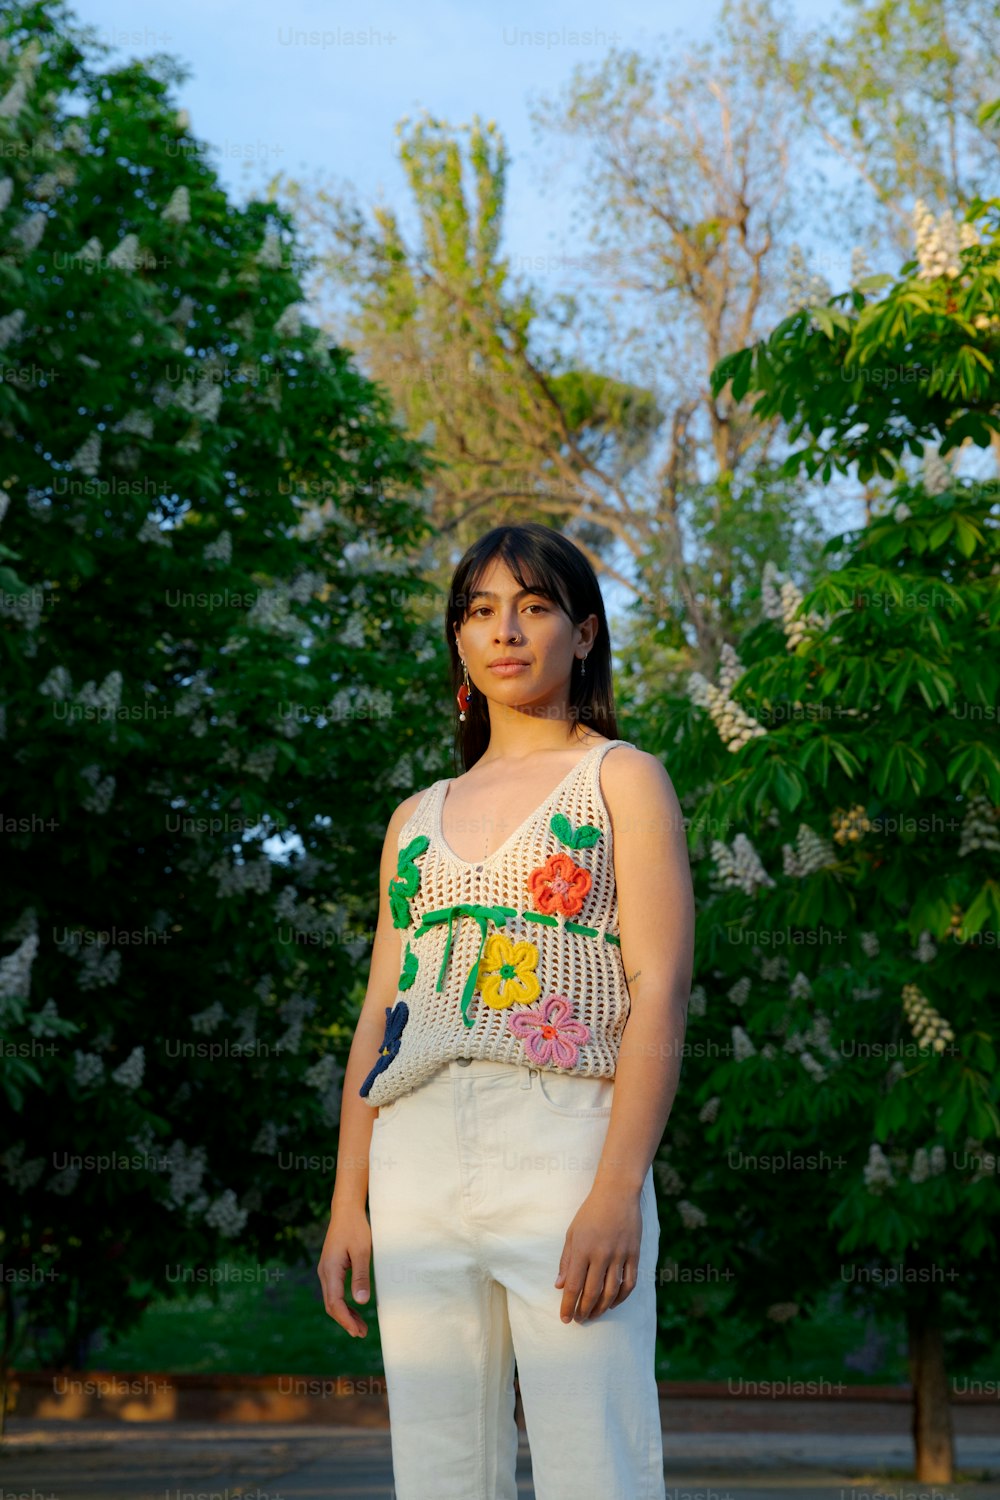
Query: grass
[271,1320]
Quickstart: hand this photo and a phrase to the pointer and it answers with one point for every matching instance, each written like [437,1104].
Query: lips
[508,661]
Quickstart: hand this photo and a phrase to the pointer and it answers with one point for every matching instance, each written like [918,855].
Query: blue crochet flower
[396,1017]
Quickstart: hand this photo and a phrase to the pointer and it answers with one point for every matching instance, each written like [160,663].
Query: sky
[315,90]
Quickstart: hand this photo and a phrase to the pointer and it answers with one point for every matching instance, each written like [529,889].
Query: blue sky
[315,90]
[293,86]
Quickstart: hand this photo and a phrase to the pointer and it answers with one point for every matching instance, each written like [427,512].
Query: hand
[601,1243]
[348,1243]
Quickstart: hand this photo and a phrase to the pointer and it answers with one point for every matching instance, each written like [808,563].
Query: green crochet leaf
[413,851]
[585,837]
[409,971]
[406,882]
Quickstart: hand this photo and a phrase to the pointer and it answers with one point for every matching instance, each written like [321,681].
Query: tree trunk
[933,1442]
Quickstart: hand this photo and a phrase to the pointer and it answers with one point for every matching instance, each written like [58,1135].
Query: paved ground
[182,1461]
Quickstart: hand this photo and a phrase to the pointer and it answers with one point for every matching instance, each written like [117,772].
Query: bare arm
[599,1265]
[348,1238]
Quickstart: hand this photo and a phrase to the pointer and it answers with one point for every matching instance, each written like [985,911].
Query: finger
[331,1276]
[573,1282]
[593,1289]
[628,1282]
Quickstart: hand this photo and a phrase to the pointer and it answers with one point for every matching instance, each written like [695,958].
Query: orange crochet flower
[559,885]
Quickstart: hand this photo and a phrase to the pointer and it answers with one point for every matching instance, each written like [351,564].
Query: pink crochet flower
[547,1034]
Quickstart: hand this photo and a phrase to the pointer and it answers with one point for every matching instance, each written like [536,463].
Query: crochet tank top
[515,957]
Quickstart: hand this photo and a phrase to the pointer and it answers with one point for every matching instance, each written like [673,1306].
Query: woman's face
[505,622]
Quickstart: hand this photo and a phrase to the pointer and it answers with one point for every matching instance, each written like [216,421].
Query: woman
[521,1036]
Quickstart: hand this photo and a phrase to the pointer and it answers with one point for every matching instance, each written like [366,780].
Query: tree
[900,93]
[868,378]
[844,1020]
[517,432]
[207,619]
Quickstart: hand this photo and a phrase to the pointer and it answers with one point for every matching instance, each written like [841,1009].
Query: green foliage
[207,628]
[866,379]
[843,1024]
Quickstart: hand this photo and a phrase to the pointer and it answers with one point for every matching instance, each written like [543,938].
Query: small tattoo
[629,977]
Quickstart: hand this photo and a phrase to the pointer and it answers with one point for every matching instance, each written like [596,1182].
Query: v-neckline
[477,864]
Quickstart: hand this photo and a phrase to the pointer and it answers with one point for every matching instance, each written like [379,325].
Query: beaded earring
[464,693]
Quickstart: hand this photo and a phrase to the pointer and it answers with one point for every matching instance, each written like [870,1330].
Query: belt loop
[527,1080]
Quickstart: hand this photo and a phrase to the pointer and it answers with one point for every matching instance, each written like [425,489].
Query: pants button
[463,1062]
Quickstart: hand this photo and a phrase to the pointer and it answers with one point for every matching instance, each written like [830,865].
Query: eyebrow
[488,594]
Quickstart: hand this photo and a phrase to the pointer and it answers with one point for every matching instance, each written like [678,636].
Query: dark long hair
[543,560]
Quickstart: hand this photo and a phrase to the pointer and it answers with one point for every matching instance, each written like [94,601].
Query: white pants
[475,1177]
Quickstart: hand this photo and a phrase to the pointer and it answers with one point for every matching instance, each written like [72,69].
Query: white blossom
[979,827]
[46,1022]
[138,422]
[289,325]
[187,1168]
[270,252]
[100,798]
[698,1002]
[739,992]
[178,210]
[709,1111]
[221,550]
[926,949]
[936,475]
[235,879]
[266,1139]
[803,288]
[800,988]
[11,327]
[88,1069]
[878,1171]
[743,1047]
[14,100]
[813,1068]
[870,944]
[125,255]
[152,531]
[99,968]
[129,1073]
[691,1216]
[21,1174]
[29,231]
[15,970]
[208,1020]
[261,761]
[226,1216]
[58,684]
[87,457]
[811,853]
[937,242]
[741,866]
[105,699]
[64,1182]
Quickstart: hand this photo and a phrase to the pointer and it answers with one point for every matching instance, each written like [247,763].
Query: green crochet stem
[538,916]
[480,914]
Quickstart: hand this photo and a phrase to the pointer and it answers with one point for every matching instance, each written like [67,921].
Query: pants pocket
[575,1094]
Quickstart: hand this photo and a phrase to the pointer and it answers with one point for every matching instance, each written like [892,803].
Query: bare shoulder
[635,783]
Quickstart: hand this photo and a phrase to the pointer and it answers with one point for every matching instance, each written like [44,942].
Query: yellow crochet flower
[507,972]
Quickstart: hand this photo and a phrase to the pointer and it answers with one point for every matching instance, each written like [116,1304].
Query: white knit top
[515,957]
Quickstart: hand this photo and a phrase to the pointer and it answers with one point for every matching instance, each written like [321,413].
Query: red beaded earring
[464,693]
